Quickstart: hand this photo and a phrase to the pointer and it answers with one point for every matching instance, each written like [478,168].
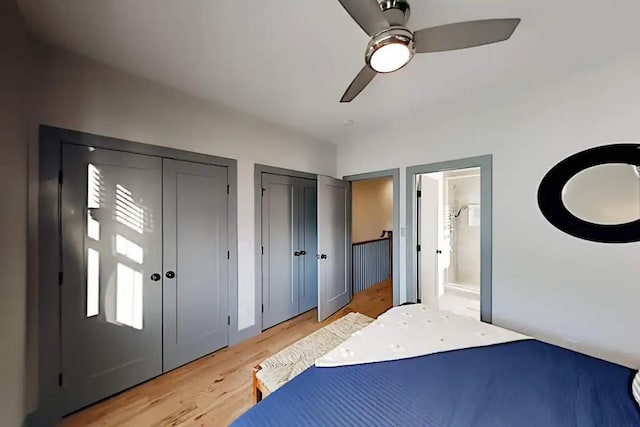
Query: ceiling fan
[393,45]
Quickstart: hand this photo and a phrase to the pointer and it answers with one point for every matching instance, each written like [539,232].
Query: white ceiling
[289,61]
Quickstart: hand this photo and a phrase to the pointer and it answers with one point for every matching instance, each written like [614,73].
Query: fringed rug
[286,364]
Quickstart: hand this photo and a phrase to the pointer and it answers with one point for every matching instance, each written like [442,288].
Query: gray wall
[14,102]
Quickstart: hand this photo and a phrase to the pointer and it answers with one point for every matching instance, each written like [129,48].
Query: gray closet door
[195,298]
[279,239]
[334,289]
[111,318]
[308,244]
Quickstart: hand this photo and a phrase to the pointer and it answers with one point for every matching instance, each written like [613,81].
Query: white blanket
[414,330]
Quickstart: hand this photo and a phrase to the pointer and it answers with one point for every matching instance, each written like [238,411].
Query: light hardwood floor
[215,390]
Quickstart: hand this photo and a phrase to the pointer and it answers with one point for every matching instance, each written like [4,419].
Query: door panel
[334,289]
[428,229]
[195,250]
[308,201]
[280,240]
[111,320]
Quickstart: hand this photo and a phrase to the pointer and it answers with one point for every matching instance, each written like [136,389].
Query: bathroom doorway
[449,236]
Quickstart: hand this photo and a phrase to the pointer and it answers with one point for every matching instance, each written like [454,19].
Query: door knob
[296,253]
[303,252]
[155,277]
[438,251]
[323,256]
[170,274]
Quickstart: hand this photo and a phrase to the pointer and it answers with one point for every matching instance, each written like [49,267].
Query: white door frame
[486,214]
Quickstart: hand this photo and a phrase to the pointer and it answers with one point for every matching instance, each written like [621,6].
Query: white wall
[371,208]
[545,283]
[14,101]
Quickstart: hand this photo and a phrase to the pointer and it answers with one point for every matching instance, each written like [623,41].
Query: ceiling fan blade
[462,35]
[359,83]
[367,14]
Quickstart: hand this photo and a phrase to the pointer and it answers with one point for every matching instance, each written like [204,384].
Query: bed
[469,374]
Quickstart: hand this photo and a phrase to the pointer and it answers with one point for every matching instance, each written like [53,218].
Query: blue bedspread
[522,383]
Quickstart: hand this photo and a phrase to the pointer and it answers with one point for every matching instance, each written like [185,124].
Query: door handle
[438,251]
[296,253]
[323,256]
[155,277]
[170,274]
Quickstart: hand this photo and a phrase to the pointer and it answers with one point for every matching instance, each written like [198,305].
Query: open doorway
[449,236]
[449,222]
[371,239]
[374,239]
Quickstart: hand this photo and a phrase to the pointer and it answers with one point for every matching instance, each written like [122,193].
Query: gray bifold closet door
[289,235]
[308,242]
[145,262]
[111,324]
[195,258]
[334,247]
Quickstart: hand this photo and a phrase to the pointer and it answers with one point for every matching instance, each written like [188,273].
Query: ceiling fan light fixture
[390,50]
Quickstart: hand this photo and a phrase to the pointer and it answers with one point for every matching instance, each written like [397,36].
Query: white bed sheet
[414,330]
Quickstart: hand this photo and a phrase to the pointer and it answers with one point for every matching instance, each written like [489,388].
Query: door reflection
[121,266]
[128,296]
[131,250]
[128,212]
[93,282]
[130,257]
[94,201]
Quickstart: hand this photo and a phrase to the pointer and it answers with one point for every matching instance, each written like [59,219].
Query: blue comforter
[522,383]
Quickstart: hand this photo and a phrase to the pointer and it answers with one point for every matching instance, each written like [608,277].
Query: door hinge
[419,193]
[263,190]
[263,250]
[60,177]
[228,255]
[263,308]
[418,248]
[228,320]
[227,189]
[60,379]
[60,278]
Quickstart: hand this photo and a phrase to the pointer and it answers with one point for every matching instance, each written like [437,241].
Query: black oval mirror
[595,194]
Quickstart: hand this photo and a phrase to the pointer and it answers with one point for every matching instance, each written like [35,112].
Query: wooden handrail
[370,241]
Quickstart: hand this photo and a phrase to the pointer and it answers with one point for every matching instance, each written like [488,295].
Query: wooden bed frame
[259,390]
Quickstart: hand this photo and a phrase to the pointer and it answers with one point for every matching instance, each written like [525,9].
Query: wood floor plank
[216,389]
